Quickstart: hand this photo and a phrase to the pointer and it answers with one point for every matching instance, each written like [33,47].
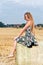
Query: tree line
[17,25]
[11,25]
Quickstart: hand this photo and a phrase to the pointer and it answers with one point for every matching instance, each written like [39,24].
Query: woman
[28,39]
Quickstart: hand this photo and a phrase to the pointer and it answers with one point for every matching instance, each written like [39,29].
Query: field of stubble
[33,56]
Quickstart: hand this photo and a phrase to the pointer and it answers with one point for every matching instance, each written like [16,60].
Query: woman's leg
[13,50]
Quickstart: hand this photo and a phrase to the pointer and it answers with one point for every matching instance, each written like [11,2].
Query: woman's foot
[11,55]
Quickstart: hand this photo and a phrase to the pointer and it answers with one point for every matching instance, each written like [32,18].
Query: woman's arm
[24,28]
[34,31]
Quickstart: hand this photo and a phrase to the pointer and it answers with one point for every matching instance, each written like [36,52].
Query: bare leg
[13,50]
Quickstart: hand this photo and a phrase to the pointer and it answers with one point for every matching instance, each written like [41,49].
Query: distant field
[6,43]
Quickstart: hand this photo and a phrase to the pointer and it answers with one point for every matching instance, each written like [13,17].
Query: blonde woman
[28,39]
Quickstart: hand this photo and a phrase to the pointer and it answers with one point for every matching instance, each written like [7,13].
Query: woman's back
[31,27]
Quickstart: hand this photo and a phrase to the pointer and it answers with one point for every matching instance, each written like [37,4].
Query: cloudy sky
[12,11]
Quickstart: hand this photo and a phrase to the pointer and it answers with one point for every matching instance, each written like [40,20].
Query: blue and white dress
[27,39]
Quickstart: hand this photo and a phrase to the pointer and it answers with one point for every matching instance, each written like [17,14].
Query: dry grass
[25,54]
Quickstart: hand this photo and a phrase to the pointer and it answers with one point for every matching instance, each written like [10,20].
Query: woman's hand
[16,37]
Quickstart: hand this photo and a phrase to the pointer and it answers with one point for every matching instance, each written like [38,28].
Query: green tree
[2,24]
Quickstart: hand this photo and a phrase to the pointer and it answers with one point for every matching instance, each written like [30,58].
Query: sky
[12,11]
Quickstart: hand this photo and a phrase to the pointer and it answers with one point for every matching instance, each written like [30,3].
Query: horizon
[19,23]
[12,11]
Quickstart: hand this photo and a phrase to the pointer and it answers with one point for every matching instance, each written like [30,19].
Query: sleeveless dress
[27,39]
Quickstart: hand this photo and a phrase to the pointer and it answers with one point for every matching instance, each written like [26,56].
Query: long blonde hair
[29,15]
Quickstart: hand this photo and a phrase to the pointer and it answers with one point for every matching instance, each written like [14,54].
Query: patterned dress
[27,39]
